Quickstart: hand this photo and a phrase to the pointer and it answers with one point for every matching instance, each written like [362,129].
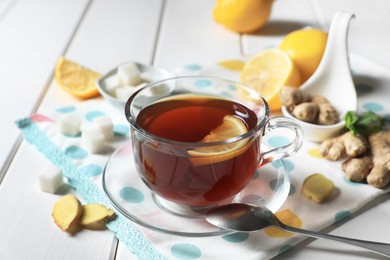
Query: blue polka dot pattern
[387,117]
[192,67]
[92,114]
[185,251]
[287,164]
[236,237]
[203,83]
[253,199]
[226,94]
[345,178]
[91,170]
[232,87]
[341,214]
[76,152]
[131,195]
[256,174]
[363,88]
[121,130]
[67,109]
[278,141]
[374,107]
[77,135]
[273,184]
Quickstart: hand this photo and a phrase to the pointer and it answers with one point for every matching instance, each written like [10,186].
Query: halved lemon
[231,127]
[76,79]
[305,47]
[267,72]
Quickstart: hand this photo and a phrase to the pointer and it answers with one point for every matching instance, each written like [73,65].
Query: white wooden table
[101,34]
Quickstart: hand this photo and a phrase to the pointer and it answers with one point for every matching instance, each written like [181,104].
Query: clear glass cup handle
[286,150]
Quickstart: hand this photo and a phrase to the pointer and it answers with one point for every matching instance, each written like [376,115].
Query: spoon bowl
[247,218]
[332,80]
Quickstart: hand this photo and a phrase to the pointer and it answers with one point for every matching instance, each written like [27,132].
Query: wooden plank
[30,43]
[189,35]
[98,45]
[281,22]
[110,34]
[5,5]
[363,37]
[32,233]
[26,226]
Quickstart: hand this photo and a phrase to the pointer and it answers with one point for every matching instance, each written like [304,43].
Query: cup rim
[261,122]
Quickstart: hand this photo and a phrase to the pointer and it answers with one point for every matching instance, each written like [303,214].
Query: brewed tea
[176,174]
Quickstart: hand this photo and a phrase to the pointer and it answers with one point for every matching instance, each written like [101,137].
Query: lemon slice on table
[267,72]
[231,127]
[76,79]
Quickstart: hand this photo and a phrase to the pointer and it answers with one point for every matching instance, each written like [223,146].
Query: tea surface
[173,172]
[189,118]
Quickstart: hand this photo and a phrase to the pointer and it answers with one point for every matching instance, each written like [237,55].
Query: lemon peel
[231,127]
[306,48]
[242,16]
[76,79]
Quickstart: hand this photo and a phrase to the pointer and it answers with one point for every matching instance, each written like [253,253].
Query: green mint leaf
[366,124]
[350,120]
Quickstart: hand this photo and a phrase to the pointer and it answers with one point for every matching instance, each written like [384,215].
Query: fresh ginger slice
[317,187]
[66,212]
[95,216]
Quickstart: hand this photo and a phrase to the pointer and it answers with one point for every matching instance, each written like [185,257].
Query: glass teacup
[197,139]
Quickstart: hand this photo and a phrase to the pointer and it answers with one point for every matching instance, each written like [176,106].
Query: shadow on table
[366,85]
[354,251]
[280,28]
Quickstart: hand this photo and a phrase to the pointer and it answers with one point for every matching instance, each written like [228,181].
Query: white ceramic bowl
[332,80]
[155,73]
[317,133]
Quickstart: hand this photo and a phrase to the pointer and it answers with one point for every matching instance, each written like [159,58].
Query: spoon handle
[378,247]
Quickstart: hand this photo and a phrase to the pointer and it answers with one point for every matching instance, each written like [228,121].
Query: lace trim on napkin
[121,227]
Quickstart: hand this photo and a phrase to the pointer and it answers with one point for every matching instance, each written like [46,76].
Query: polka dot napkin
[84,171]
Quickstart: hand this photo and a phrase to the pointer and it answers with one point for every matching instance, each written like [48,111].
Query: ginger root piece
[379,176]
[357,169]
[327,114]
[317,187]
[290,96]
[309,108]
[95,216]
[342,146]
[66,213]
[319,100]
[307,112]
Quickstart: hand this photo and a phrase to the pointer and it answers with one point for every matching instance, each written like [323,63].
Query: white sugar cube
[123,93]
[69,124]
[92,139]
[128,74]
[147,76]
[50,179]
[105,125]
[110,84]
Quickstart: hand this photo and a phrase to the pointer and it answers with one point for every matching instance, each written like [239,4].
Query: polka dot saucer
[269,187]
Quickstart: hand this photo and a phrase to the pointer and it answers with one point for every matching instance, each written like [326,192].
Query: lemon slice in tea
[231,127]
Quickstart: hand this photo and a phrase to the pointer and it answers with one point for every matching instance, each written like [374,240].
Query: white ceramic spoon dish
[332,80]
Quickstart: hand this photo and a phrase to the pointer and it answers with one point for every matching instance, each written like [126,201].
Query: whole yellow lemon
[305,47]
[242,16]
